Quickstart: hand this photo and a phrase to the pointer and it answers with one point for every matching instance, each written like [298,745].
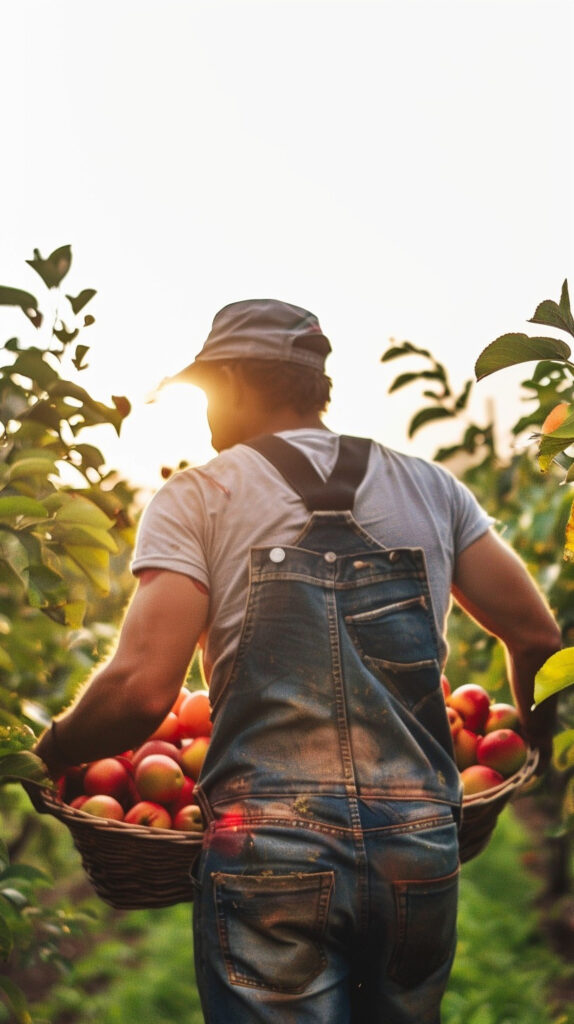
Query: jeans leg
[263,941]
[402,969]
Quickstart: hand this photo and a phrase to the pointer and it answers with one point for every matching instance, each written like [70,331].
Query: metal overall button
[277,555]
[394,556]
[330,556]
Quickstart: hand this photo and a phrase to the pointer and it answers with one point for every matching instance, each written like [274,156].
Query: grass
[143,970]
[503,969]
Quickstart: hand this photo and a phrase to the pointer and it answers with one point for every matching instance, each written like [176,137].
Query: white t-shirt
[204,521]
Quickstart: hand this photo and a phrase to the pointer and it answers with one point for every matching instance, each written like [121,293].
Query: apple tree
[65,521]
[535,514]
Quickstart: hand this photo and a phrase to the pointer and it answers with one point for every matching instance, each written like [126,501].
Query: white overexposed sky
[403,168]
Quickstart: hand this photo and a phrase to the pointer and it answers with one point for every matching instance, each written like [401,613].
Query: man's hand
[492,584]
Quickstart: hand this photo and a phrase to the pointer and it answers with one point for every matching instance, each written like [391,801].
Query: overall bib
[326,890]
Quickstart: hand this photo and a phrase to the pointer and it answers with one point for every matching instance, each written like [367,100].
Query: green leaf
[552,315]
[79,301]
[16,297]
[14,897]
[91,456]
[15,506]
[563,749]
[510,349]
[436,412]
[64,335]
[23,766]
[46,588]
[94,563]
[53,269]
[36,466]
[462,400]
[75,509]
[549,448]
[13,739]
[555,675]
[74,612]
[407,378]
[24,873]
[14,554]
[404,349]
[4,855]
[78,360]
[32,364]
[91,411]
[67,534]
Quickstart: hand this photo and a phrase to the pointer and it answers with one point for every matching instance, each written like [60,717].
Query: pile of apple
[154,784]
[488,746]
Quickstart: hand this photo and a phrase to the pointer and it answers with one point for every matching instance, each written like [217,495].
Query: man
[317,571]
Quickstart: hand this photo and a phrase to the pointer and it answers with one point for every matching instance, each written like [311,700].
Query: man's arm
[127,699]
[492,584]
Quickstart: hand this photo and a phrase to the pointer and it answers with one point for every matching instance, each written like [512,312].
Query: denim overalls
[327,886]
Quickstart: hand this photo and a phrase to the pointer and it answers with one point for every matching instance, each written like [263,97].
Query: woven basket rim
[75,817]
[515,781]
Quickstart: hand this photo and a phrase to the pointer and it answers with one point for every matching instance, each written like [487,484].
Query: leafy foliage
[535,515]
[64,548]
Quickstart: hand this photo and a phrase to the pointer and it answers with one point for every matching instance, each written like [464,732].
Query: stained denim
[327,886]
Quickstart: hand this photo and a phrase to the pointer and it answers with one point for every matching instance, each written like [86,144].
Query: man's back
[205,521]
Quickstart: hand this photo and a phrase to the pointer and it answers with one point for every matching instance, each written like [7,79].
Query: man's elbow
[536,643]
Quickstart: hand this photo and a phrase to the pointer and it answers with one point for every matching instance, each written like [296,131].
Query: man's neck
[289,419]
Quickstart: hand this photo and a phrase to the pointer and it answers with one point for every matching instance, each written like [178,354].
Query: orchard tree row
[529,496]
[66,531]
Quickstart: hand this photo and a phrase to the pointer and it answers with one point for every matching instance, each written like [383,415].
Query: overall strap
[337,493]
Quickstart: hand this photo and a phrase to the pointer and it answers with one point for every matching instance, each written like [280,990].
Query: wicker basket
[134,867]
[480,811]
[131,867]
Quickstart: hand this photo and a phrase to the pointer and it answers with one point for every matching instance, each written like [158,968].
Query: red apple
[107,775]
[465,744]
[195,715]
[502,716]
[101,805]
[445,686]
[156,747]
[168,729]
[158,778]
[473,703]
[193,756]
[454,721]
[188,819]
[182,695]
[479,777]
[504,750]
[147,812]
[185,795]
[79,801]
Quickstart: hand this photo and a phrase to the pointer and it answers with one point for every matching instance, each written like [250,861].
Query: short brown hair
[280,383]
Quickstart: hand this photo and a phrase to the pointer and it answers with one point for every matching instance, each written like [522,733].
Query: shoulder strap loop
[337,494]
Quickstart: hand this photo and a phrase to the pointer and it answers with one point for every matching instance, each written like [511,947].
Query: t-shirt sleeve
[470,519]
[170,530]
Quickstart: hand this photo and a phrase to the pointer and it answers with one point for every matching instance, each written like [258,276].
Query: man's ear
[238,389]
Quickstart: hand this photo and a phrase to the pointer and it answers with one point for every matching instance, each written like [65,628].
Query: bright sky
[400,168]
